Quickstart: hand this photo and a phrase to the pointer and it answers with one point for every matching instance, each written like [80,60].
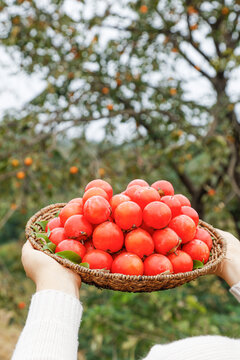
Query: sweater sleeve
[200,347]
[51,329]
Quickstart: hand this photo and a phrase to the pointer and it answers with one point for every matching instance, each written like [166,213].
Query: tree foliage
[121,63]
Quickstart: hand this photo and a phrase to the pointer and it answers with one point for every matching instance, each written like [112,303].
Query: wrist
[230,270]
[65,281]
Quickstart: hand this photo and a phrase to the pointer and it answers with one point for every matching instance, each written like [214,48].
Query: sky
[17,87]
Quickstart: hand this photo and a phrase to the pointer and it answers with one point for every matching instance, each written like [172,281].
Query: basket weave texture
[128,283]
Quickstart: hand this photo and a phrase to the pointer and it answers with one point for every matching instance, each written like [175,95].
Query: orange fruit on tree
[191,10]
[15,162]
[105,90]
[28,161]
[20,175]
[143,9]
[73,170]
[101,171]
[225,10]
[110,107]
[194,27]
[173,91]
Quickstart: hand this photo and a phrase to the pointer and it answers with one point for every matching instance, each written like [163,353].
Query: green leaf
[35,228]
[50,246]
[86,265]
[43,236]
[70,255]
[56,215]
[197,264]
[43,224]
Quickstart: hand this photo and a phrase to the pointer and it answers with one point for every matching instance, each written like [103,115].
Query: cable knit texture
[51,329]
[51,333]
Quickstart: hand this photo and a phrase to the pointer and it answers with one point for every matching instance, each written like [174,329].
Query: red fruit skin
[97,210]
[127,264]
[78,228]
[128,215]
[146,195]
[184,226]
[98,259]
[183,200]
[139,242]
[198,250]
[102,184]
[203,235]
[181,262]
[163,187]
[118,199]
[69,210]
[173,203]
[156,264]
[53,223]
[189,211]
[130,192]
[108,237]
[139,182]
[157,215]
[89,245]
[71,245]
[165,241]
[94,191]
[76,200]
[57,235]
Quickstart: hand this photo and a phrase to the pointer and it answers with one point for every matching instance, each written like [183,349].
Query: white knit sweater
[51,333]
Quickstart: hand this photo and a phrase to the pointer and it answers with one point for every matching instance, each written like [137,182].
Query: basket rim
[99,273]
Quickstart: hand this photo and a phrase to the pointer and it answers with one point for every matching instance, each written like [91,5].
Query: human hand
[47,273]
[229,268]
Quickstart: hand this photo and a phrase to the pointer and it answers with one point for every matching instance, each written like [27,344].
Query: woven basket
[129,283]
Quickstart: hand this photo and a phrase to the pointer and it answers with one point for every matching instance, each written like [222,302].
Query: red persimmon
[127,264]
[156,264]
[183,200]
[197,249]
[163,187]
[130,192]
[102,184]
[98,259]
[76,200]
[108,237]
[173,203]
[146,195]
[203,235]
[57,235]
[78,227]
[165,241]
[139,182]
[181,262]
[53,223]
[157,215]
[139,242]
[184,226]
[118,199]
[69,210]
[97,210]
[94,191]
[71,245]
[189,211]
[128,215]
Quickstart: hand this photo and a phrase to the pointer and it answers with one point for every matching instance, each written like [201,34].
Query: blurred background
[119,90]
